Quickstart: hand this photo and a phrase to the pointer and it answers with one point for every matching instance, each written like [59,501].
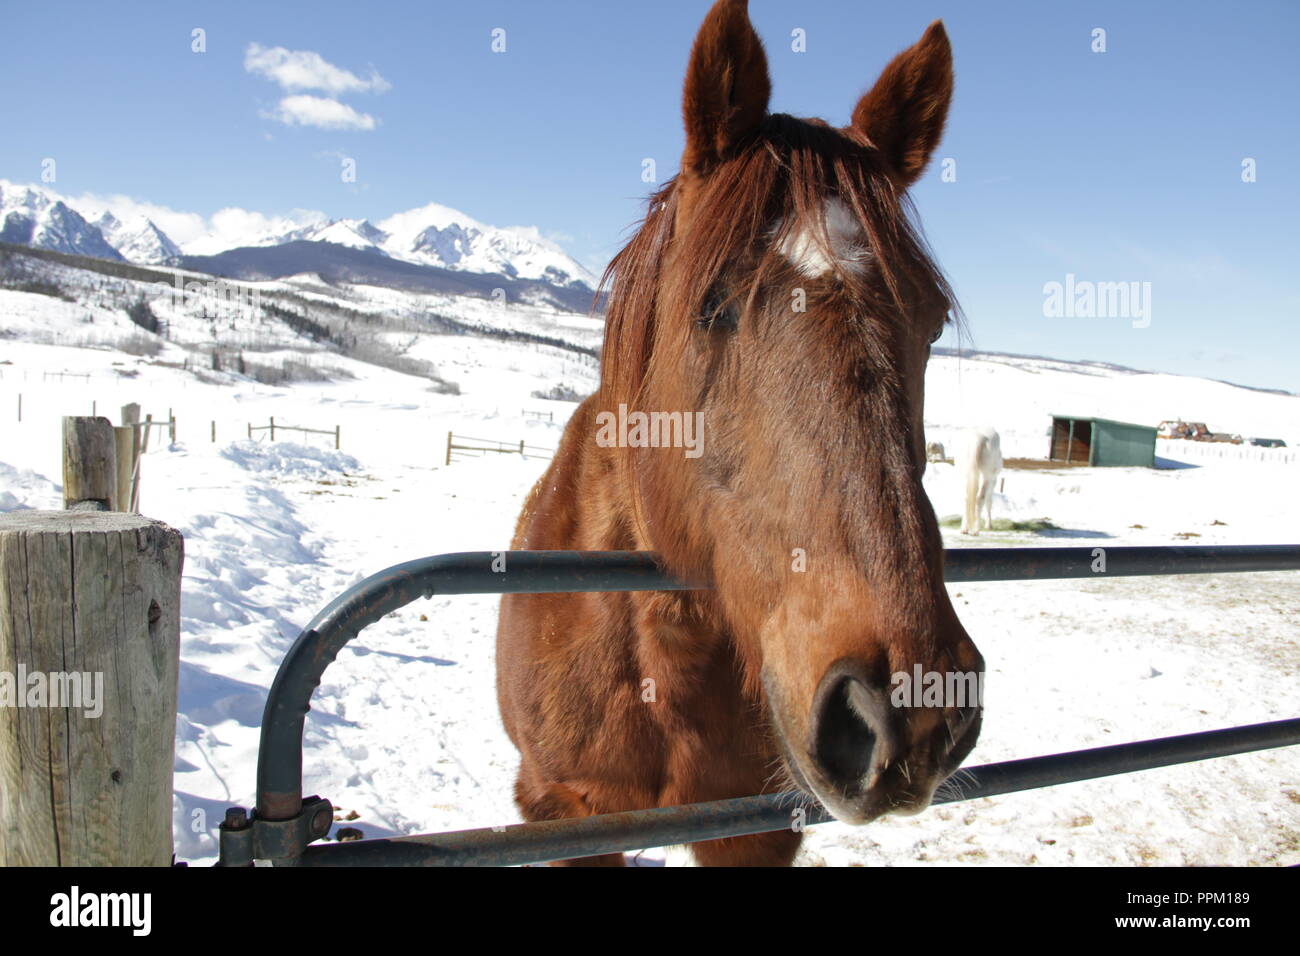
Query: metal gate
[284,825]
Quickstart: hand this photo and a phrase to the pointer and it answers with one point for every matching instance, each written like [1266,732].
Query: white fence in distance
[1181,449]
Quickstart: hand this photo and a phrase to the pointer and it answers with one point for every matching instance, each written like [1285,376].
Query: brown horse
[777,293]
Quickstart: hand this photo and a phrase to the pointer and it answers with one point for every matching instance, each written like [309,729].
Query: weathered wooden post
[89,464]
[214,430]
[272,428]
[448,448]
[89,649]
[131,419]
[336,437]
[124,440]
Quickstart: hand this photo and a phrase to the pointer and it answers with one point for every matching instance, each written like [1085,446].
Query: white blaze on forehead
[806,248]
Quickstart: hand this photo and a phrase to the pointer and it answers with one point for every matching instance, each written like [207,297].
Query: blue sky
[1122,166]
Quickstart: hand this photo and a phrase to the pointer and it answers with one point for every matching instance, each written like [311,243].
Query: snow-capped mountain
[31,216]
[264,231]
[355,233]
[436,235]
[440,236]
[139,240]
[432,235]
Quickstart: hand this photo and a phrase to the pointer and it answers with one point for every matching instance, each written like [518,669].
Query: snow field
[404,730]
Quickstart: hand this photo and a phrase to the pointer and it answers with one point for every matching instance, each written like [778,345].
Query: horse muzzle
[866,755]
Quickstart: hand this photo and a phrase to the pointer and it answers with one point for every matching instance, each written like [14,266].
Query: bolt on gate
[284,825]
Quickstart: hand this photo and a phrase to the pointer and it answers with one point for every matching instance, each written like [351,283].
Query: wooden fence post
[89,650]
[131,418]
[124,439]
[89,464]
[20,406]
[448,448]
[272,428]
[336,437]
[214,430]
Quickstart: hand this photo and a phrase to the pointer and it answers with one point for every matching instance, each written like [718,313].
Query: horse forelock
[799,200]
[797,186]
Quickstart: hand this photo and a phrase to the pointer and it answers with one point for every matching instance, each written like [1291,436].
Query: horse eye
[718,314]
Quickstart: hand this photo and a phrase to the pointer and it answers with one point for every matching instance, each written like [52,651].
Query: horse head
[779,289]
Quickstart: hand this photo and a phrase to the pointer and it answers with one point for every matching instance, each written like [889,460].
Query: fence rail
[272,427]
[1182,448]
[284,823]
[150,423]
[494,446]
[525,843]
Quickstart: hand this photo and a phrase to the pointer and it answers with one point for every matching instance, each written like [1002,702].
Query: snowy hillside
[294,329]
[1020,394]
[404,731]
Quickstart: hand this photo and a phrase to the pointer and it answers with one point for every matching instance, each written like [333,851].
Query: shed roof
[1109,421]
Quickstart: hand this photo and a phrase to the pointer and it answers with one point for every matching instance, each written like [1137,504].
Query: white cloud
[181,227]
[306,70]
[234,226]
[195,234]
[305,110]
[554,238]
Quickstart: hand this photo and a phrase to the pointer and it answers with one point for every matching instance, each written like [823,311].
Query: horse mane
[780,177]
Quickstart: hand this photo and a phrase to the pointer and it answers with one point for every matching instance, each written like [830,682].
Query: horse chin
[864,810]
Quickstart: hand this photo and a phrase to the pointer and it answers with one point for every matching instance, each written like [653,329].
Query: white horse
[980,460]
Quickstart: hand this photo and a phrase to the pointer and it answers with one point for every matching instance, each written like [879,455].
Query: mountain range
[430,235]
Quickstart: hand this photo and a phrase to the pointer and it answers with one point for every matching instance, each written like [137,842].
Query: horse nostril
[848,740]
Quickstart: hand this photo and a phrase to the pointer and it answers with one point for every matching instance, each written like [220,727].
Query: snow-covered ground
[404,730]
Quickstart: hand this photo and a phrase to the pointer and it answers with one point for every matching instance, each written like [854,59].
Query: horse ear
[904,113]
[727,86]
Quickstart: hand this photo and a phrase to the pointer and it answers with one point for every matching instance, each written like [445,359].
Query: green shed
[1100,441]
